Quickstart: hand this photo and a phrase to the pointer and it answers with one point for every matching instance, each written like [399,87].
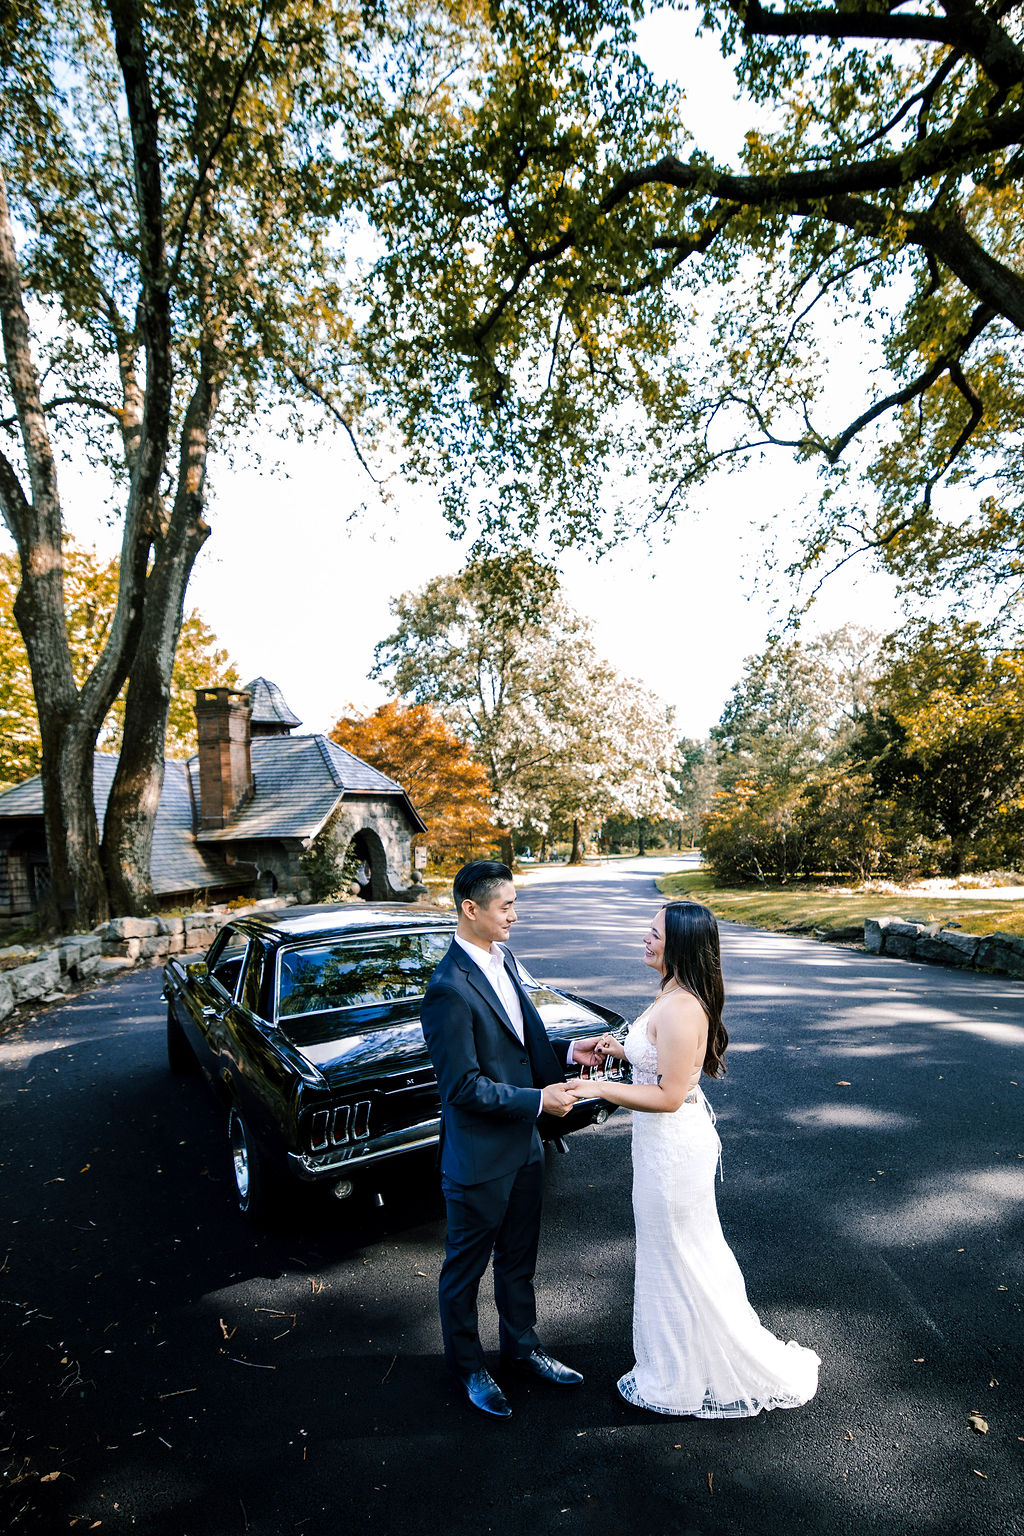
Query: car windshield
[357,973]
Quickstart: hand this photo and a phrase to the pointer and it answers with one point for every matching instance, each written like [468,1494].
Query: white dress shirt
[492,963]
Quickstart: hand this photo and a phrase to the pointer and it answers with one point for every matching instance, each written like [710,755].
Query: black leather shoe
[541,1364]
[484,1393]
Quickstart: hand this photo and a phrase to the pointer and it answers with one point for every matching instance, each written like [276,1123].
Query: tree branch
[13,501]
[966,28]
[41,519]
[945,363]
[200,184]
[316,393]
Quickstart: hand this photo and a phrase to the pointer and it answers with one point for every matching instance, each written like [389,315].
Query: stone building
[236,818]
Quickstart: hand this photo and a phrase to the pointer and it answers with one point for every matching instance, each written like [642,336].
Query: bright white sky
[296,592]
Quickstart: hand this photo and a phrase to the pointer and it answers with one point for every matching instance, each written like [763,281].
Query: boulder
[69,954]
[15,952]
[850,933]
[6,997]
[874,932]
[1002,952]
[31,981]
[155,948]
[90,966]
[947,947]
[123,949]
[111,965]
[132,928]
[171,925]
[900,938]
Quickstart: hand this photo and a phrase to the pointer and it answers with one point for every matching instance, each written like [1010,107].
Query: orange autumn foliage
[444,781]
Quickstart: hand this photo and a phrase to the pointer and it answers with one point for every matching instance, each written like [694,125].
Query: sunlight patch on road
[845,1117]
[996,1031]
[889,1049]
[21,1053]
[947,1208]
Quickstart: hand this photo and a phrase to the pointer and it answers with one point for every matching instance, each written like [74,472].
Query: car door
[215,994]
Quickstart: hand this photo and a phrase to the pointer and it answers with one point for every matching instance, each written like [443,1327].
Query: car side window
[252,979]
[225,960]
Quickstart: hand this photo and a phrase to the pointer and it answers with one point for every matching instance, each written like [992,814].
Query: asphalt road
[183,1375]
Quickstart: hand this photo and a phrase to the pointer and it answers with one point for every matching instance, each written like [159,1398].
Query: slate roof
[268,705]
[298,781]
[178,864]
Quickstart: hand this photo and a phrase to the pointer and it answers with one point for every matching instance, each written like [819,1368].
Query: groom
[497,1071]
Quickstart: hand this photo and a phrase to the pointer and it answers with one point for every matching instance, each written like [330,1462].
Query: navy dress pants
[501,1216]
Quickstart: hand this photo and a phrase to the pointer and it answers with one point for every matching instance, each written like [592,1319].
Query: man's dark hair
[478,880]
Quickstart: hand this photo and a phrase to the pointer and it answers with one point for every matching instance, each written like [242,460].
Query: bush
[752,832]
[321,864]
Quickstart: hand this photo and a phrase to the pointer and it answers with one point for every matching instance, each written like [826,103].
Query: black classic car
[306,1023]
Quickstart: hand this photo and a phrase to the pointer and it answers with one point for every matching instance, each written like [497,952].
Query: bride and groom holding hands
[700,1349]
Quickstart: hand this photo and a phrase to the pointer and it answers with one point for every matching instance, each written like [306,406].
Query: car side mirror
[198,970]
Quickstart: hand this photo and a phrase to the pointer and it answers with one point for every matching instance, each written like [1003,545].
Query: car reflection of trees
[389,970]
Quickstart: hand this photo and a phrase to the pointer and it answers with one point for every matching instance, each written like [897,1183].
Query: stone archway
[367,848]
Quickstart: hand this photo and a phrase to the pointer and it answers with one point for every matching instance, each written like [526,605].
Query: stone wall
[47,973]
[999,952]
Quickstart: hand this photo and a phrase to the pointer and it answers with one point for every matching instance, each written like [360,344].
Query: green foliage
[926,777]
[327,874]
[610,297]
[753,833]
[946,740]
[90,596]
[564,738]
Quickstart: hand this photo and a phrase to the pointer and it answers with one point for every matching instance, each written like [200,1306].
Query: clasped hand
[559,1098]
[593,1054]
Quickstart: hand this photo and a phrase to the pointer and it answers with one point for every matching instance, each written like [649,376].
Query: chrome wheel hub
[240,1156]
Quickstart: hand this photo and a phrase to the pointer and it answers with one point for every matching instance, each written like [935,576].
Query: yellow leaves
[977,1423]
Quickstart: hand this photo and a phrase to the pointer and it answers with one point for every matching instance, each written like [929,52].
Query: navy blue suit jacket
[487,1077]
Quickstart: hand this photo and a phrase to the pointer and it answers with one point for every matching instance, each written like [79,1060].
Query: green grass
[803,905]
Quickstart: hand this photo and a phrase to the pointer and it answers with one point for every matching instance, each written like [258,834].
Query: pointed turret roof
[268,705]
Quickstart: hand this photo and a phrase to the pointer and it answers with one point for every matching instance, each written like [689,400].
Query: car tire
[180,1056]
[257,1189]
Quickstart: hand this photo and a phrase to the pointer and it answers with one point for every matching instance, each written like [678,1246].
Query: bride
[700,1348]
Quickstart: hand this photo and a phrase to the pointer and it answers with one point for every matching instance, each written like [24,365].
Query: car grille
[340,1126]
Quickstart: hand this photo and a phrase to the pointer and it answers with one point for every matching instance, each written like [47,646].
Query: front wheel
[257,1188]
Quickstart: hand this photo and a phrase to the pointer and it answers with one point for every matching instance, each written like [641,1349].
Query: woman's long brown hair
[692,959]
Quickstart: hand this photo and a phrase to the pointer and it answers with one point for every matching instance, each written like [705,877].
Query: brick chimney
[225,768]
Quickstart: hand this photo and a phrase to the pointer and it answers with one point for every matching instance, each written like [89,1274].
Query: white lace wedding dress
[700,1348]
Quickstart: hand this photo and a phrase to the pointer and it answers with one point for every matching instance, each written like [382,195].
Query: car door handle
[209,1013]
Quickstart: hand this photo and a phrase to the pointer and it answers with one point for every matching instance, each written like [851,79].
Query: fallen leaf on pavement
[49,1477]
[842,1083]
[976,1422]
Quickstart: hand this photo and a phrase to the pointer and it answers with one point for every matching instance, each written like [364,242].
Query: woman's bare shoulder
[677,1011]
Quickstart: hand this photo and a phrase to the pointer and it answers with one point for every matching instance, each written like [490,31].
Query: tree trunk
[68,717]
[641,846]
[135,794]
[508,852]
[576,856]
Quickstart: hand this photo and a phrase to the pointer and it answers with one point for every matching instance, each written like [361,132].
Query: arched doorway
[366,861]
